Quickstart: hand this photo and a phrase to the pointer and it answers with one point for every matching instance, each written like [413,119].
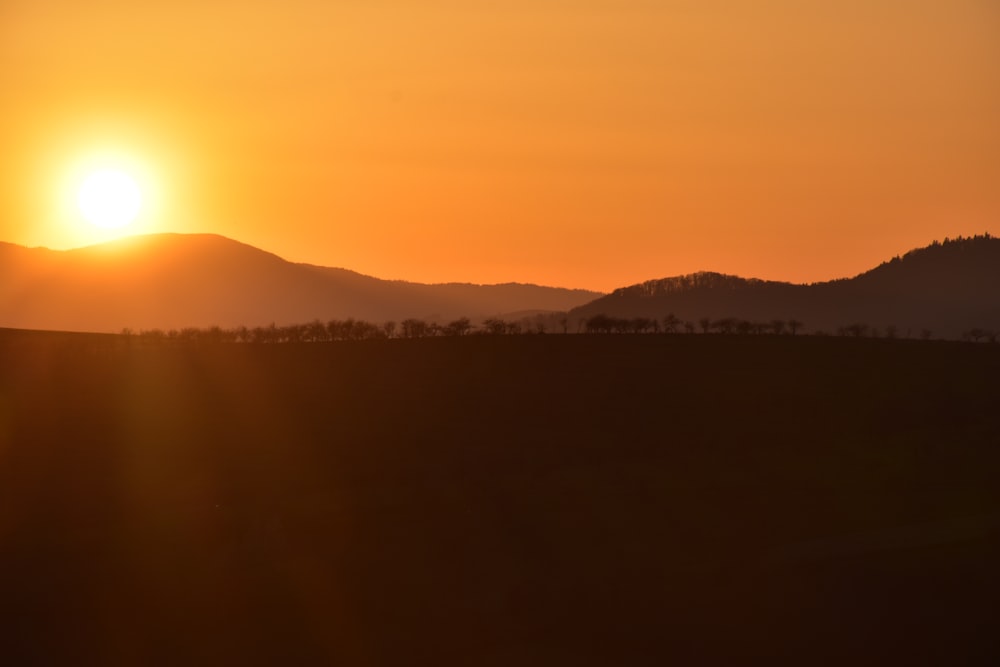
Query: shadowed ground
[522,500]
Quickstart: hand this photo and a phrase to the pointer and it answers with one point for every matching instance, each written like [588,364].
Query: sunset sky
[583,143]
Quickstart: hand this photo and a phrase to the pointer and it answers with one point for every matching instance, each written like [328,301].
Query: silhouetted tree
[495,326]
[975,335]
[856,330]
[214,334]
[337,330]
[620,325]
[188,334]
[258,335]
[413,328]
[640,324]
[317,332]
[599,324]
[726,325]
[794,326]
[364,330]
[459,327]
[293,333]
[705,324]
[670,323]
[153,335]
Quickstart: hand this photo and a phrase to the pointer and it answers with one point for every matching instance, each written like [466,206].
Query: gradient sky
[583,143]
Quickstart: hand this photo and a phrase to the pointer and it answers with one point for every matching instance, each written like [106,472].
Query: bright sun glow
[109,198]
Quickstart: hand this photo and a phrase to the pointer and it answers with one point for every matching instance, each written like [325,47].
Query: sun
[109,198]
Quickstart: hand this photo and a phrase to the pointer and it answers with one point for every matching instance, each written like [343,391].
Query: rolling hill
[178,280]
[200,280]
[946,288]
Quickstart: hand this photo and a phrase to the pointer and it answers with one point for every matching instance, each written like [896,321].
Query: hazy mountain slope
[947,288]
[174,280]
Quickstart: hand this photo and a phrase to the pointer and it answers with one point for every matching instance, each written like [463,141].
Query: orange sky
[584,143]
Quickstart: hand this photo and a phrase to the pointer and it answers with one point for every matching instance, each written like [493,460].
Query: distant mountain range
[200,280]
[178,280]
[945,288]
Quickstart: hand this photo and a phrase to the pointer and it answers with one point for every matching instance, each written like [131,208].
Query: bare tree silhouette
[414,328]
[726,325]
[459,327]
[495,326]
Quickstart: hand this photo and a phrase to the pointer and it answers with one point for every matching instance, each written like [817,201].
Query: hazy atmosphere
[587,144]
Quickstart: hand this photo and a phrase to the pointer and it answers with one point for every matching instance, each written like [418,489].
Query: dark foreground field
[523,500]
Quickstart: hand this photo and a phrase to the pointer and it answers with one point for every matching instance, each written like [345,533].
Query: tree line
[351,329]
[318,331]
[604,324]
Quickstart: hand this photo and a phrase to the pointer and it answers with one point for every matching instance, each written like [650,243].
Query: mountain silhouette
[179,280]
[945,288]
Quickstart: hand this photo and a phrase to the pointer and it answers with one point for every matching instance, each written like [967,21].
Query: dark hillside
[511,500]
[699,295]
[965,266]
[947,288]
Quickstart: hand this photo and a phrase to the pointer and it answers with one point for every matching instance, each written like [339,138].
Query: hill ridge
[173,280]
[946,287]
